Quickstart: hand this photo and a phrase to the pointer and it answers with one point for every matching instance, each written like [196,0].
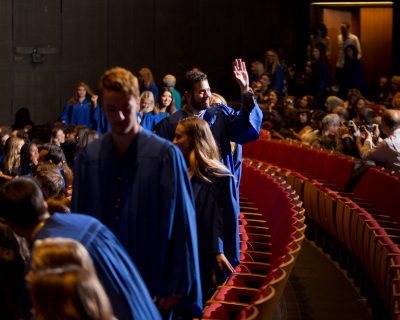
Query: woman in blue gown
[163,109]
[216,209]
[81,108]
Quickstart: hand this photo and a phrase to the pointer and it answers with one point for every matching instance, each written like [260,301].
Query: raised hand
[94,98]
[241,75]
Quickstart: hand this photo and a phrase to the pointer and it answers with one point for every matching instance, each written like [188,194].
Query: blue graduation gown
[121,280]
[149,119]
[217,226]
[226,125]
[145,198]
[79,113]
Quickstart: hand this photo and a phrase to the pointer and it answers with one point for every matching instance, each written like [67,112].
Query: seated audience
[61,268]
[23,208]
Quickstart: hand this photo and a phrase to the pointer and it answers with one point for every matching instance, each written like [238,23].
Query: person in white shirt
[345,38]
[384,152]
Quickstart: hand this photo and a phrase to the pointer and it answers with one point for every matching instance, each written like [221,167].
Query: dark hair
[366,115]
[21,202]
[26,164]
[13,259]
[346,24]
[191,78]
[355,51]
[22,119]
[55,154]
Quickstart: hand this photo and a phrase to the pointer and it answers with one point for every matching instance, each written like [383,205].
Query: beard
[201,105]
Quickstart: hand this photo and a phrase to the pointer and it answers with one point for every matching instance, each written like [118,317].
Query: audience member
[62,268]
[384,152]
[256,70]
[352,73]
[345,39]
[320,37]
[274,70]
[22,120]
[12,158]
[75,294]
[164,108]
[321,78]
[29,159]
[169,82]
[332,102]
[14,257]
[23,208]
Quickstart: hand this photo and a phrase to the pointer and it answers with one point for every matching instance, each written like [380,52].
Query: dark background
[81,38]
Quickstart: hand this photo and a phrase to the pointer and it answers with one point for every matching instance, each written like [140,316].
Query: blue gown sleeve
[66,114]
[124,280]
[181,264]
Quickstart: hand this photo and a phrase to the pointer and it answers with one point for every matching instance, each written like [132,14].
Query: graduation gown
[217,226]
[149,119]
[227,125]
[145,198]
[79,113]
[122,282]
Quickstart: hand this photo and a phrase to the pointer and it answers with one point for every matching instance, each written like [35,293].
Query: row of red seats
[271,232]
[365,221]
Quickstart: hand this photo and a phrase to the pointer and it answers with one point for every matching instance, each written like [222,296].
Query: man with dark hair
[227,125]
[23,208]
[137,184]
[384,152]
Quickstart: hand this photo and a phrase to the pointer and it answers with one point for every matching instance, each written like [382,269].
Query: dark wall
[80,39]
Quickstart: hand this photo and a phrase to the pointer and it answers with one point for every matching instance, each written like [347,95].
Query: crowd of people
[132,196]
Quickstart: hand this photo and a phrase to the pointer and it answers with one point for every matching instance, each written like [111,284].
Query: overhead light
[355,3]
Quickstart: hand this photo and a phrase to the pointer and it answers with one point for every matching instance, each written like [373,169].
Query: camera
[348,124]
[368,127]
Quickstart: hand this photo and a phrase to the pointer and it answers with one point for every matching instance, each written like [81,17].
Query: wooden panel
[376,32]
[333,19]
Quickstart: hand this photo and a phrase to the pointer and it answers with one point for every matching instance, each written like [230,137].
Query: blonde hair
[217,98]
[275,63]
[204,157]
[148,95]
[12,159]
[120,80]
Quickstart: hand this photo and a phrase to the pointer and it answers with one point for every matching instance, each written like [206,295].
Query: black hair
[21,202]
[191,78]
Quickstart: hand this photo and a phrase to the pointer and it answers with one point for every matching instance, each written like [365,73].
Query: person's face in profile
[120,110]
[182,140]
